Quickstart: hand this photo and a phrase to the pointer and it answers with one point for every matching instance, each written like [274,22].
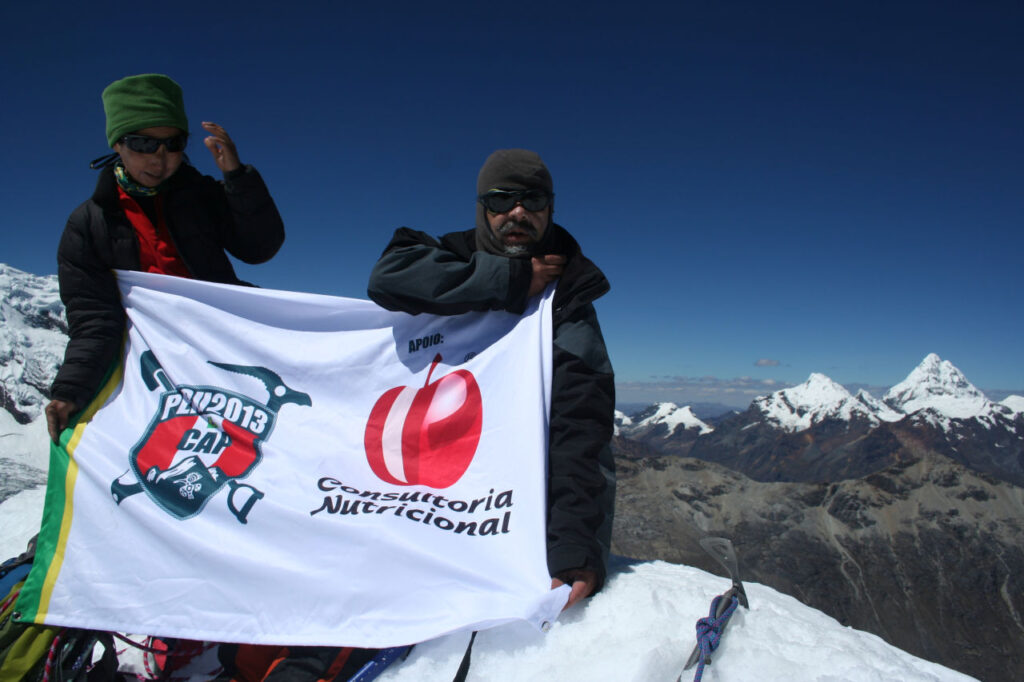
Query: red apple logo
[425,436]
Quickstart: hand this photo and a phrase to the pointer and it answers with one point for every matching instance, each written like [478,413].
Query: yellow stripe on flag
[69,485]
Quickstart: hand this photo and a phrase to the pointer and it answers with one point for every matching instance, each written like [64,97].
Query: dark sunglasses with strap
[144,144]
[502,201]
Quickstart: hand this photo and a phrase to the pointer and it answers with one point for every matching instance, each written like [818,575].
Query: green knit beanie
[143,101]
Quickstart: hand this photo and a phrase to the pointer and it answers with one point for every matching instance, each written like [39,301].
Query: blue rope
[709,632]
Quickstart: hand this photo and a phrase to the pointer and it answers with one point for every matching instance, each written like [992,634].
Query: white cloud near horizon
[735,392]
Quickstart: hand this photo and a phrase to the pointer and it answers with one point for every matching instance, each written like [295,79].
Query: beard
[515,250]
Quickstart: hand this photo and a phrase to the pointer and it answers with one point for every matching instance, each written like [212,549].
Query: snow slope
[641,628]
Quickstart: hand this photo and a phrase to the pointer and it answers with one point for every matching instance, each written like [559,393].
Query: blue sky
[773,189]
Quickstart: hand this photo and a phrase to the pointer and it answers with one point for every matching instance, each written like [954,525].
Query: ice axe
[722,606]
[280,394]
[722,551]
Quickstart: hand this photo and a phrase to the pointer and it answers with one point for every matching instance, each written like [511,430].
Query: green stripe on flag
[58,508]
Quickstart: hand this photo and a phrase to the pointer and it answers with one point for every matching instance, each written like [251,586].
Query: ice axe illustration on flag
[202,438]
[279,393]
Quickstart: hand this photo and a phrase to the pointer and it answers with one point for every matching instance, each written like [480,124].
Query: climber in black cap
[514,252]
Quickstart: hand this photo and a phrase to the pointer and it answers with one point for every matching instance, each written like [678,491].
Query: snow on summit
[673,416]
[1014,402]
[622,420]
[941,392]
[935,392]
[817,399]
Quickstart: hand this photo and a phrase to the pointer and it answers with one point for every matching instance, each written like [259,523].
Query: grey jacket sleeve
[416,274]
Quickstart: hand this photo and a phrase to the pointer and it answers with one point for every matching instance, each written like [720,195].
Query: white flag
[282,468]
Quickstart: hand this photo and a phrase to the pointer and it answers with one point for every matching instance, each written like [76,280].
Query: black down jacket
[205,217]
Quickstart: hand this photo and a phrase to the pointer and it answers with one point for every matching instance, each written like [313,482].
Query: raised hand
[221,146]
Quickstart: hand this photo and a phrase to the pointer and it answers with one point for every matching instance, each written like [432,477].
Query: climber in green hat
[151,211]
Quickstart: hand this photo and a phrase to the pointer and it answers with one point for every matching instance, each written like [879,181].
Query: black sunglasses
[144,144]
[500,201]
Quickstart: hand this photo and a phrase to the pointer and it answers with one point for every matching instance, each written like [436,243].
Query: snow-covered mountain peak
[663,420]
[1015,403]
[818,399]
[940,388]
[672,416]
[622,421]
[817,390]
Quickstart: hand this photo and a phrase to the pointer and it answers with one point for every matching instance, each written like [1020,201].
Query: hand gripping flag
[282,468]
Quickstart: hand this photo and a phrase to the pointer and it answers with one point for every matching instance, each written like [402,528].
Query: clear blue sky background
[773,189]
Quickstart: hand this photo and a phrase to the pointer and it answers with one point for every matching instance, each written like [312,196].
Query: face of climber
[150,168]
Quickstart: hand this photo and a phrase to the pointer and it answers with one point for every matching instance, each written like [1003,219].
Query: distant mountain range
[818,431]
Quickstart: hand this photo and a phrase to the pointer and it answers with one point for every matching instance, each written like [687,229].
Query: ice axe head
[280,394]
[722,551]
[152,373]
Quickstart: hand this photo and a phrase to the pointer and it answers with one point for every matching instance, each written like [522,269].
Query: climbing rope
[709,632]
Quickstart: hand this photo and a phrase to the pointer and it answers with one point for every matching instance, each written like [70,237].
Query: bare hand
[583,584]
[223,149]
[57,414]
[546,269]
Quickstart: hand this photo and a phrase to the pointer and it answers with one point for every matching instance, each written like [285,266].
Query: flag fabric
[283,468]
